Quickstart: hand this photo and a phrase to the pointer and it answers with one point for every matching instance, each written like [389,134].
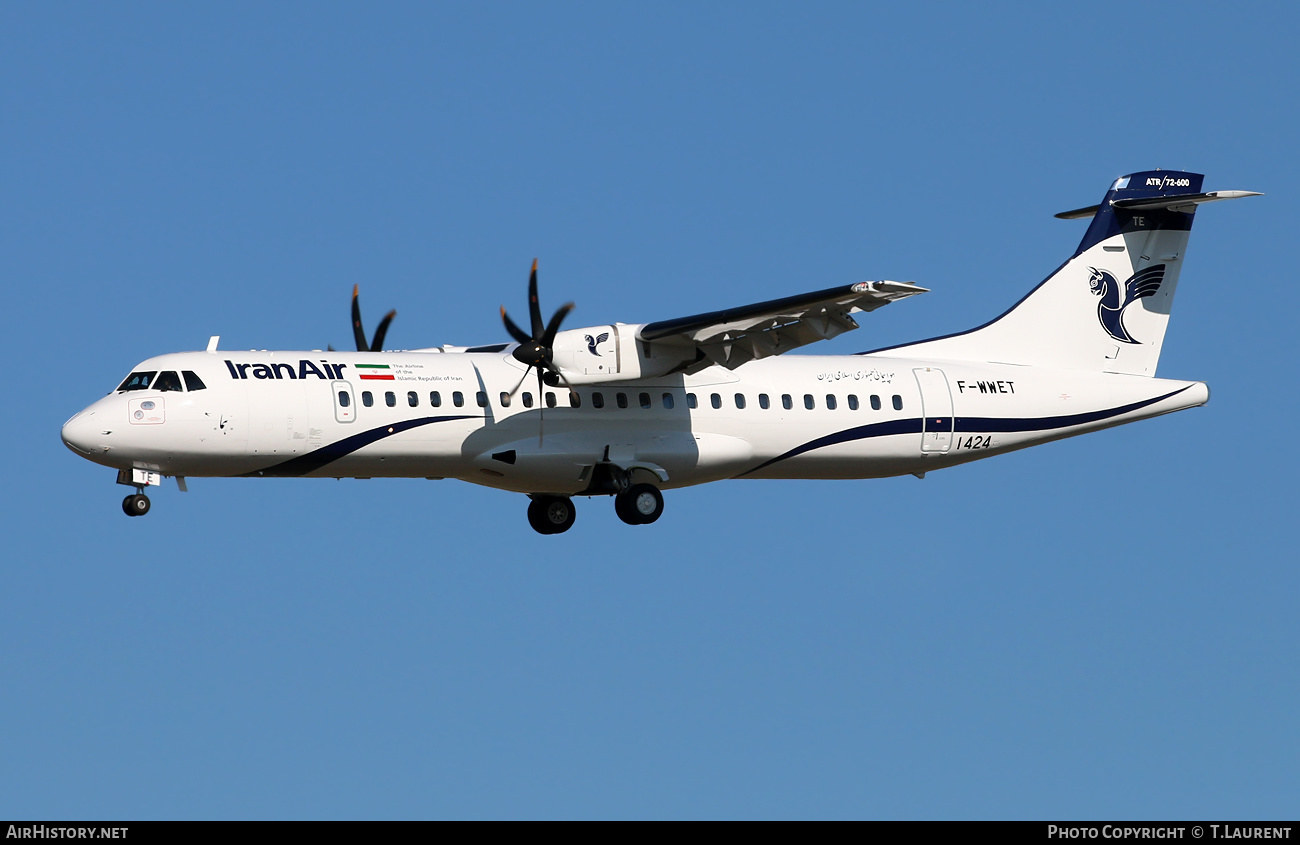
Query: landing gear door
[936,410]
[345,401]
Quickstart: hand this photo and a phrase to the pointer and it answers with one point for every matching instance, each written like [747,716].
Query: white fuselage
[334,414]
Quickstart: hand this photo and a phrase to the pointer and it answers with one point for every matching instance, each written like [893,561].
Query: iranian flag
[374,372]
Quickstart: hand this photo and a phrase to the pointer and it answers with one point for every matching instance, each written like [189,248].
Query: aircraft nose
[80,433]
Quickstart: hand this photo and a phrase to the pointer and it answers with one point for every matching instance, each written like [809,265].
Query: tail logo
[1115,297]
[592,341]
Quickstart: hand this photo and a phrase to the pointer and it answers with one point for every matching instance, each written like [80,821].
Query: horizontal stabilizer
[1176,202]
[1181,202]
[1078,213]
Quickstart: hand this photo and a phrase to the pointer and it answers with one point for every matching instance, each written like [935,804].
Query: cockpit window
[168,380]
[192,380]
[138,381]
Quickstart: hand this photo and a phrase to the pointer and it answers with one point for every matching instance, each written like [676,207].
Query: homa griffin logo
[593,342]
[283,370]
[1115,297]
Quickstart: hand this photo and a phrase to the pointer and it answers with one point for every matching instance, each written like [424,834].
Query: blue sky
[1098,628]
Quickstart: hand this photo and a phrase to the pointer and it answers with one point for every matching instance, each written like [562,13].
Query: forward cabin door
[344,402]
[936,410]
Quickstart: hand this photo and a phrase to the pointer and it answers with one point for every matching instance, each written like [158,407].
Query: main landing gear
[640,504]
[136,504]
[551,514]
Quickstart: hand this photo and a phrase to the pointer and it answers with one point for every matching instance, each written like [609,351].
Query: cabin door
[936,410]
[344,402]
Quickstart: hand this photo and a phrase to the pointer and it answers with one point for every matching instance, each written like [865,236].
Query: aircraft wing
[735,335]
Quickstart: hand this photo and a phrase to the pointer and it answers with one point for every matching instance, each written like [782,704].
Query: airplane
[631,410]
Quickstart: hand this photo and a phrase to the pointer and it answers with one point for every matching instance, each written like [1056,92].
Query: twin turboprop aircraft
[631,410]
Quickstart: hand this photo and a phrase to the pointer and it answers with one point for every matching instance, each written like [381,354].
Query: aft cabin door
[936,410]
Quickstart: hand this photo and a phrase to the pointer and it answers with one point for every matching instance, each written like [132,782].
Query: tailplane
[1107,307]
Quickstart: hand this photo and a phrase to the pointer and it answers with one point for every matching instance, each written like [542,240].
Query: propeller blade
[534,309]
[541,406]
[535,350]
[515,332]
[548,339]
[358,332]
[382,331]
[560,380]
[518,384]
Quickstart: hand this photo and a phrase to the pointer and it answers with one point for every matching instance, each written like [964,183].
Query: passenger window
[344,399]
[764,402]
[481,398]
[458,399]
[715,400]
[668,401]
[413,399]
[597,400]
[644,399]
[435,399]
[390,399]
[853,402]
[787,401]
[809,402]
[528,399]
[830,402]
[575,400]
[138,381]
[621,398]
[168,380]
[192,381]
[367,398]
[505,399]
[898,402]
[691,401]
[551,401]
[740,401]
[875,402]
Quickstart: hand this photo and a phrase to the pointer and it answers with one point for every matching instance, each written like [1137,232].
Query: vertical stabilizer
[1106,309]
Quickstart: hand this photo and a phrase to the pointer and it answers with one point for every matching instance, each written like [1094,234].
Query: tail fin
[1107,307]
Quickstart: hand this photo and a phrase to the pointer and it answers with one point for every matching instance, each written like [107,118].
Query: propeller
[535,351]
[377,345]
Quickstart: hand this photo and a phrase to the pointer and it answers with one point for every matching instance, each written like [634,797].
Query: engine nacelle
[612,353]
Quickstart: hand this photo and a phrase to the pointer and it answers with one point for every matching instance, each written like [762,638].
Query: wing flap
[734,336]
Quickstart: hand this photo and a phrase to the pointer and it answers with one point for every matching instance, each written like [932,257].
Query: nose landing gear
[138,503]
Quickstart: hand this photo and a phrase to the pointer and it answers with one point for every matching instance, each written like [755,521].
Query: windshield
[138,381]
[167,380]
